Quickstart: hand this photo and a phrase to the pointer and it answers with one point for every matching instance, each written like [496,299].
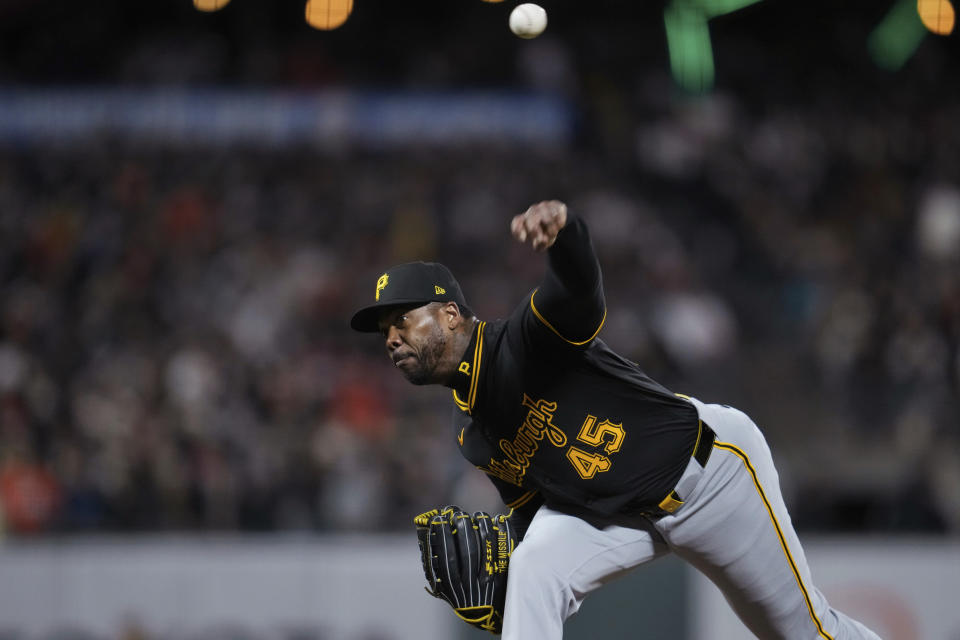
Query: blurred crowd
[174,347]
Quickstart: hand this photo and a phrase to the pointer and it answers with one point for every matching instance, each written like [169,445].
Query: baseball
[528,20]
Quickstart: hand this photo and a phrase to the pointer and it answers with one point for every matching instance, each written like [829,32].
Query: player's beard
[427,359]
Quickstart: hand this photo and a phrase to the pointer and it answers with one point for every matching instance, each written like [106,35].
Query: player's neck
[458,345]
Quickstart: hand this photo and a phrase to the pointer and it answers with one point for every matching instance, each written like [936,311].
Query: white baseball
[528,20]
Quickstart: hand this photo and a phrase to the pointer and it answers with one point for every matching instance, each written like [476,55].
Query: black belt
[701,453]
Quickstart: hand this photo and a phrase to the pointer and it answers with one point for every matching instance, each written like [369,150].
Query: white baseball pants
[733,527]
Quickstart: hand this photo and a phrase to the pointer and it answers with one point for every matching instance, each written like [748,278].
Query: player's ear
[450,312]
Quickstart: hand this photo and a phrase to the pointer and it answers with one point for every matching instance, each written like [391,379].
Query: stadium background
[191,204]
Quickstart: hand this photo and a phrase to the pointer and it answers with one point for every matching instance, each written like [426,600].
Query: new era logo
[439,290]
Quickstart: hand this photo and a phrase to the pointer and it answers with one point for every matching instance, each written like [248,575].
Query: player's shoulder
[493,331]
[534,333]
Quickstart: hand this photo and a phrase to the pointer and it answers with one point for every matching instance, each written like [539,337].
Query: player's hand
[540,224]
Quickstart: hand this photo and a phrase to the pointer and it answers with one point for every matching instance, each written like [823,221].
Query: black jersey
[551,414]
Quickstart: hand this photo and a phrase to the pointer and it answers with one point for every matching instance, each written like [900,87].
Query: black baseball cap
[410,283]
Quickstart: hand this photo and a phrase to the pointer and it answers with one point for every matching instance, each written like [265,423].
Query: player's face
[415,341]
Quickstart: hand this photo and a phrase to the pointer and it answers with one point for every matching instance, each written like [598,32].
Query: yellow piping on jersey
[551,327]
[467,406]
[477,356]
[776,525]
[460,403]
[522,500]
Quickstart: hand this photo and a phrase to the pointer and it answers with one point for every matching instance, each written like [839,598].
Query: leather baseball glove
[465,560]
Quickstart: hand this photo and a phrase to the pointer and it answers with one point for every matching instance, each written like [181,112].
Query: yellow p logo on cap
[381,285]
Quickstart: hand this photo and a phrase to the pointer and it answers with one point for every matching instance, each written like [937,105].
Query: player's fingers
[548,218]
[549,230]
[560,212]
[539,224]
[531,217]
[554,216]
[533,226]
[544,233]
[553,224]
[517,228]
[526,230]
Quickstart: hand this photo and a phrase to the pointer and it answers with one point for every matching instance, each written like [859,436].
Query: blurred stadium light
[937,15]
[210,5]
[328,14]
[891,44]
[688,38]
[897,37]
[691,53]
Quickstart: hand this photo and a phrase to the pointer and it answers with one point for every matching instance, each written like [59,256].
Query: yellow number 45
[606,434]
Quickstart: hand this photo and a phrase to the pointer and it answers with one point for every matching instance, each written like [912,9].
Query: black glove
[465,560]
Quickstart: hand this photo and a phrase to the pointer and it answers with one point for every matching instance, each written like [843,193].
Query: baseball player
[602,468]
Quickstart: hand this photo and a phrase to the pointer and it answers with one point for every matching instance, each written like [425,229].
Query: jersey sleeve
[569,301]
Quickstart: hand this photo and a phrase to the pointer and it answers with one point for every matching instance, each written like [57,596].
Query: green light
[897,36]
[714,8]
[688,39]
